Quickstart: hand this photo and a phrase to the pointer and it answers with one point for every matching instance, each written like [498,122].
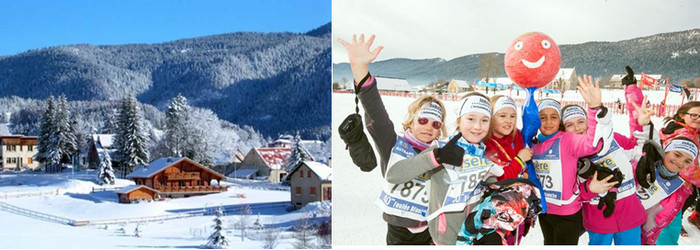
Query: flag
[674,88]
[648,80]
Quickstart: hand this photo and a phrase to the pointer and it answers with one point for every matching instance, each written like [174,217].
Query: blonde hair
[473,93]
[416,105]
[493,101]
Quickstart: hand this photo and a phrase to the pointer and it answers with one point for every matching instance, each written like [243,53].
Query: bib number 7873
[408,189]
[546,180]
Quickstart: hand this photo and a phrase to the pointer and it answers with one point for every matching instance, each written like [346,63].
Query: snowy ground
[69,196]
[359,222]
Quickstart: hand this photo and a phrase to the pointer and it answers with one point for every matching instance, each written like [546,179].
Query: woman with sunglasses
[685,121]
[404,205]
[455,170]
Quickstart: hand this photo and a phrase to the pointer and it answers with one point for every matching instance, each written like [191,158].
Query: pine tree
[130,141]
[176,125]
[45,134]
[105,174]
[218,239]
[62,142]
[110,124]
[297,155]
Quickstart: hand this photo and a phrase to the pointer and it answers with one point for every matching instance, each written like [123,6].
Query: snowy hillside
[359,222]
[34,203]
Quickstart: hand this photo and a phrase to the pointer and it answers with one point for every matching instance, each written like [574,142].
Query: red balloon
[532,60]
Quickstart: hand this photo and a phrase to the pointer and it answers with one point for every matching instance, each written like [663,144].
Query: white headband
[504,102]
[475,104]
[549,104]
[430,110]
[572,112]
[683,146]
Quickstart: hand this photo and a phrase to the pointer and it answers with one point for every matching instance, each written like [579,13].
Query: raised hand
[643,113]
[601,186]
[590,93]
[359,54]
[450,153]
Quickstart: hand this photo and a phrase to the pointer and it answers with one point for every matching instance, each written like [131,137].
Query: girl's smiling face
[474,126]
[504,122]
[550,121]
[676,161]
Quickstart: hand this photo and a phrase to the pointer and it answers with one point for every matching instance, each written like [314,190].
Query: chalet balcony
[193,189]
[183,176]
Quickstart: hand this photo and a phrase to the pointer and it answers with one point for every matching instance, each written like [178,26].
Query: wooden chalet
[178,177]
[310,181]
[99,145]
[135,193]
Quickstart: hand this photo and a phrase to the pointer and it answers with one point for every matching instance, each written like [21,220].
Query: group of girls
[432,185]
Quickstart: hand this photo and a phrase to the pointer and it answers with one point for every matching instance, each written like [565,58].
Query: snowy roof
[243,173]
[146,171]
[564,73]
[275,158]
[130,188]
[322,170]
[393,84]
[500,80]
[461,83]
[103,140]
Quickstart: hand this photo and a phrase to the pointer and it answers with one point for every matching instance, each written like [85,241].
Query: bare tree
[696,83]
[271,237]
[304,233]
[489,66]
[325,239]
[244,220]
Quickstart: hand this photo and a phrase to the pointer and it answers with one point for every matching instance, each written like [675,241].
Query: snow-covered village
[154,124]
[112,192]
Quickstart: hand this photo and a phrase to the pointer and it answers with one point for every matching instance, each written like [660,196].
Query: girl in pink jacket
[555,157]
[624,214]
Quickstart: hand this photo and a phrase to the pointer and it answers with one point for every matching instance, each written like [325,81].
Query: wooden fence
[659,110]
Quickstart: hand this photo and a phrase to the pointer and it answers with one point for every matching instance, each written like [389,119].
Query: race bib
[658,190]
[548,169]
[409,199]
[614,159]
[463,182]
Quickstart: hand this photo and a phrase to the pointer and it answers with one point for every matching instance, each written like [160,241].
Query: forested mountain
[675,55]
[275,82]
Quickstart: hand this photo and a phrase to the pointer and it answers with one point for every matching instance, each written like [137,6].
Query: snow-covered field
[357,221]
[69,196]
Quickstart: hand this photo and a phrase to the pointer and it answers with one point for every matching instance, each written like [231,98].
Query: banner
[648,80]
[674,88]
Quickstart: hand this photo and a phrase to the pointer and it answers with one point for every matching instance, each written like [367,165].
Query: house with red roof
[266,163]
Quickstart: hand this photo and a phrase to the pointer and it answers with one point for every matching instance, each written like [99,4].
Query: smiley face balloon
[532,60]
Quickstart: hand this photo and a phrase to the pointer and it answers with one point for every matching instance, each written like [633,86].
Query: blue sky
[33,24]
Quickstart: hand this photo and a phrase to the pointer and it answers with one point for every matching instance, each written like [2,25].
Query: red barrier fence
[616,108]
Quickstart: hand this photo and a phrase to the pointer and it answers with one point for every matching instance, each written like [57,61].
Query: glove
[603,131]
[585,167]
[604,172]
[609,201]
[450,153]
[646,165]
[629,78]
[361,152]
